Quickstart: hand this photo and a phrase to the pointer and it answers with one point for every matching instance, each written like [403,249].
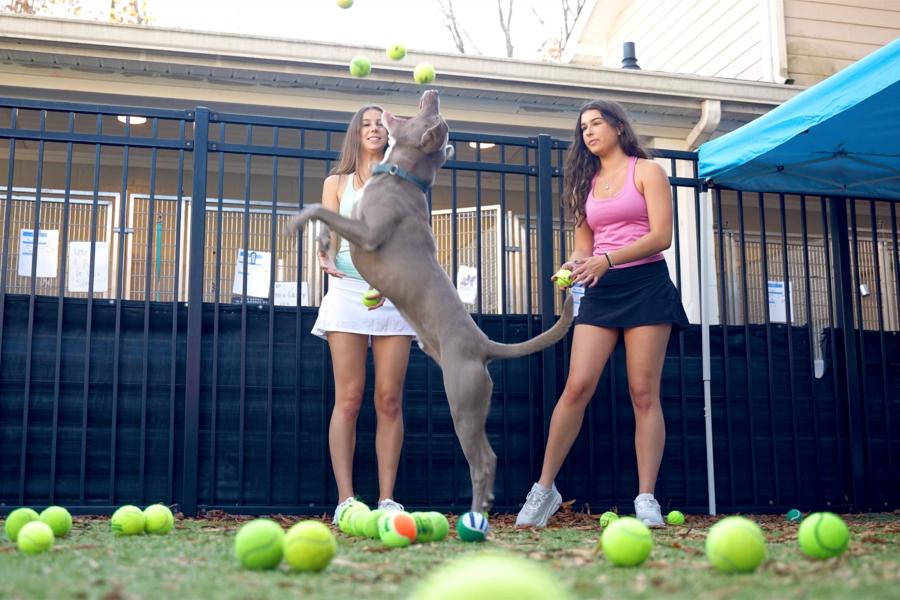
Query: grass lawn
[196,561]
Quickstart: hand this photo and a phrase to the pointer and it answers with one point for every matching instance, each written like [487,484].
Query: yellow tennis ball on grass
[309,546]
[357,521]
[35,537]
[127,520]
[397,529]
[563,278]
[736,545]
[346,513]
[440,526]
[17,519]
[626,542]
[259,544]
[360,66]
[396,51]
[158,519]
[484,576]
[424,73]
[823,535]
[59,520]
[607,518]
[676,517]
[424,527]
[370,523]
[371,298]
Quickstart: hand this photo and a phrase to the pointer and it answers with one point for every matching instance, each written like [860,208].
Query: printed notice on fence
[778,302]
[259,269]
[79,268]
[47,253]
[467,283]
[286,293]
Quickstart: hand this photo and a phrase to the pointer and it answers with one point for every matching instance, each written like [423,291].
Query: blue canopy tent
[839,138]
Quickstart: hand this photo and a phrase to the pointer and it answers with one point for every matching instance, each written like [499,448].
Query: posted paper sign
[286,293]
[80,265]
[778,302]
[48,251]
[259,270]
[467,283]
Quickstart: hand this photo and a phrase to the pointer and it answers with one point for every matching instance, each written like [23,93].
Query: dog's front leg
[355,231]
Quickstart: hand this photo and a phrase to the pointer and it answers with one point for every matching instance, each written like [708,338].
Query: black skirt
[631,297]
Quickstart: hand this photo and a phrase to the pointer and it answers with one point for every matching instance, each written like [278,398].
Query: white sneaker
[540,504]
[646,510]
[388,504]
[340,507]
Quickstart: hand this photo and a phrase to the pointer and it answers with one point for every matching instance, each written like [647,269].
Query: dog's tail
[548,338]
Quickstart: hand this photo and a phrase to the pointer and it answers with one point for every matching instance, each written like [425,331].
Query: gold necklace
[606,186]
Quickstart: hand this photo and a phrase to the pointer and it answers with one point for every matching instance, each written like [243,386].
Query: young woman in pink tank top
[622,205]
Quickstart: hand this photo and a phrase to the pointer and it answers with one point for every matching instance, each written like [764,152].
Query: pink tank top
[620,219]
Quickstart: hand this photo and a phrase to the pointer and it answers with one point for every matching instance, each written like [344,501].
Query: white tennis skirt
[342,310]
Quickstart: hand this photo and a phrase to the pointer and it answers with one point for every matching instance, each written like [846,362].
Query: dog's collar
[394,169]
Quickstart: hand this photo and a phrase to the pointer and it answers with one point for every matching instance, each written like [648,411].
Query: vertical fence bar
[245,245]
[195,313]
[789,326]
[812,356]
[176,287]
[217,297]
[723,323]
[545,268]
[885,393]
[273,270]
[859,331]
[4,260]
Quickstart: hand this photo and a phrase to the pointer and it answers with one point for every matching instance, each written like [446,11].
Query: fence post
[546,291]
[850,392]
[195,314]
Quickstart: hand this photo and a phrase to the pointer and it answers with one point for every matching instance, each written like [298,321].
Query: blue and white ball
[472,527]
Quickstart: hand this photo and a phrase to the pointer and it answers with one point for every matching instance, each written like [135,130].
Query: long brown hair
[347,163]
[582,165]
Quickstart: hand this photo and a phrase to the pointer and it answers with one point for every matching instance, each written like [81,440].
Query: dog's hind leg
[468,387]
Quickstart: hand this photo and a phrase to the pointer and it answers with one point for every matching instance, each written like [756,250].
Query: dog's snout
[429,99]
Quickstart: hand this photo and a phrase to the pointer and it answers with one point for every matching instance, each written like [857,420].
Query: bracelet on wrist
[609,260]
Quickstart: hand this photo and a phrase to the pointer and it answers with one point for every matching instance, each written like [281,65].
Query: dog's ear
[435,137]
[449,152]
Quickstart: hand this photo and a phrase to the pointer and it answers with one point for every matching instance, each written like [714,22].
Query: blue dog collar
[394,169]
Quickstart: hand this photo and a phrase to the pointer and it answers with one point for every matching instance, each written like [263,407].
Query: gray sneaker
[540,504]
[340,507]
[388,504]
[646,510]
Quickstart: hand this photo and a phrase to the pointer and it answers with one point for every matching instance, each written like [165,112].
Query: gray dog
[393,248]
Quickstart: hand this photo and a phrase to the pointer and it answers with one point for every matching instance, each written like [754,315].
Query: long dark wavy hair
[582,165]
[352,141]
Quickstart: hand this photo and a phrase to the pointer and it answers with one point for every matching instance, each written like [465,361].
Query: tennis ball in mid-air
[607,518]
[127,520]
[360,66]
[823,535]
[396,51]
[345,3]
[676,517]
[59,520]
[793,515]
[563,278]
[35,537]
[17,519]
[486,576]
[158,519]
[626,542]
[440,525]
[397,529]
[424,73]
[309,546]
[735,545]
[472,527]
[371,298]
[259,544]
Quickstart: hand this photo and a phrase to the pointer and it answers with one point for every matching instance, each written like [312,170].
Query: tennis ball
[35,537]
[424,73]
[17,519]
[127,520]
[345,3]
[396,52]
[158,519]
[472,527]
[823,535]
[59,520]
[794,515]
[370,523]
[360,66]
[424,527]
[397,529]
[358,521]
[440,525]
[735,545]
[676,517]
[309,546]
[626,542]
[346,513]
[491,576]
[563,278]
[259,544]
[607,518]
[371,298]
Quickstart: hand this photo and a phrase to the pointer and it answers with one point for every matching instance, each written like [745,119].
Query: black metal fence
[154,348]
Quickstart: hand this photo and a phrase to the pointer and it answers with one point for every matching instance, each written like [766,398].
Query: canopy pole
[705,245]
